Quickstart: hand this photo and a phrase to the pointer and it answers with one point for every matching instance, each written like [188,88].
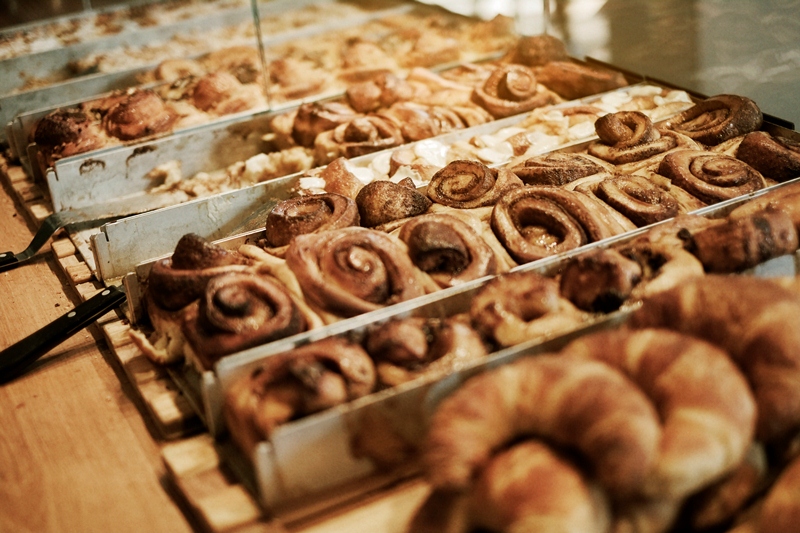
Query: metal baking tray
[20,111]
[117,249]
[292,467]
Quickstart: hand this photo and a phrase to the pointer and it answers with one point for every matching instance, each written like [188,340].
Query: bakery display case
[401,266]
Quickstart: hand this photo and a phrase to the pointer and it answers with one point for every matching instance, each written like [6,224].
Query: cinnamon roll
[210,90]
[448,249]
[308,214]
[173,285]
[411,348]
[294,384]
[522,306]
[640,200]
[600,281]
[238,311]
[572,80]
[510,90]
[718,119]
[709,176]
[744,242]
[362,135]
[468,184]
[537,50]
[557,168]
[339,180]
[177,68]
[139,114]
[314,118]
[381,202]
[381,91]
[350,271]
[243,62]
[534,222]
[418,122]
[777,158]
[629,137]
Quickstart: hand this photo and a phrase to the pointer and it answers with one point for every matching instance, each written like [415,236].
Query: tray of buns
[117,249]
[167,52]
[393,431]
[330,42]
[522,225]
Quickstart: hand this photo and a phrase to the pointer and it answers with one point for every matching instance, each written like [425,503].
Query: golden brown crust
[572,80]
[638,199]
[627,137]
[704,402]
[354,270]
[448,249]
[718,119]
[534,222]
[308,214]
[753,320]
[510,90]
[520,307]
[744,242]
[290,385]
[531,487]
[465,184]
[582,404]
[709,176]
[556,168]
[140,114]
[777,158]
[383,201]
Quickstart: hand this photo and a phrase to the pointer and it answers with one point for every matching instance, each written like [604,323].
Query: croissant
[583,404]
[531,487]
[703,399]
[754,320]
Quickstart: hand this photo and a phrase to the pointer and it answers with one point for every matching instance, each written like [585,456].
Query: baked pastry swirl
[718,119]
[557,168]
[600,281]
[362,135]
[465,184]
[308,214]
[238,311]
[350,271]
[315,117]
[64,133]
[582,404]
[628,137]
[775,157]
[710,176]
[448,249]
[572,80]
[640,200]
[510,90]
[290,385]
[410,348]
[534,222]
[522,306]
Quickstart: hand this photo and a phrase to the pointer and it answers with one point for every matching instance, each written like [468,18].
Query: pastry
[360,136]
[718,119]
[510,90]
[470,184]
[572,80]
[599,281]
[777,158]
[557,168]
[381,202]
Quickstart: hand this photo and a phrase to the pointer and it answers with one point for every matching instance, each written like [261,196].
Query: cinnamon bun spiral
[238,311]
[409,348]
[448,249]
[362,135]
[556,168]
[710,176]
[775,157]
[718,119]
[354,270]
[510,90]
[639,199]
[308,214]
[314,118]
[628,136]
[534,222]
[467,184]
[293,384]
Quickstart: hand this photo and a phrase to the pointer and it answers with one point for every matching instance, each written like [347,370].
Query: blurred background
[746,47]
